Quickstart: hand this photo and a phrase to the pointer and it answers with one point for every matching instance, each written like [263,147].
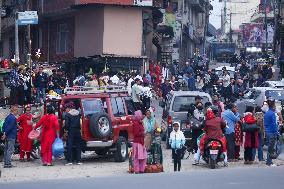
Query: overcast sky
[215,17]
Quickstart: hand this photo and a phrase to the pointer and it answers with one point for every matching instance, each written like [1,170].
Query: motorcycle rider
[214,127]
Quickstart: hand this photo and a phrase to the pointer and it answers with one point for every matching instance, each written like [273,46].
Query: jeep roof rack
[95,90]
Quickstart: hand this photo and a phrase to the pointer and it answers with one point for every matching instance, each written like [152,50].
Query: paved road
[260,178]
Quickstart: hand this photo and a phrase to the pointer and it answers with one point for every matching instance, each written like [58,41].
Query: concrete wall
[89,28]
[122,31]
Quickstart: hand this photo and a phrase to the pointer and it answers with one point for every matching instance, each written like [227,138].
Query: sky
[215,17]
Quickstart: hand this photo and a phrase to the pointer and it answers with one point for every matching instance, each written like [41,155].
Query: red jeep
[106,123]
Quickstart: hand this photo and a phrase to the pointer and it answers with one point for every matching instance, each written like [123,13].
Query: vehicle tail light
[170,120]
[215,145]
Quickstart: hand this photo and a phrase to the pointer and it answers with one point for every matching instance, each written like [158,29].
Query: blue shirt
[191,83]
[270,124]
[231,119]
[148,78]
[10,126]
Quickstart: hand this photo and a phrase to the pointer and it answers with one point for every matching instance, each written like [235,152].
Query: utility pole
[29,38]
[1,19]
[17,54]
[181,53]
[265,24]
[231,37]
[225,15]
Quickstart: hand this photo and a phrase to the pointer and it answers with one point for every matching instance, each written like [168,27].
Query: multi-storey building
[84,33]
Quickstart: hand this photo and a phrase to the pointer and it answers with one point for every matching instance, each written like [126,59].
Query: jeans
[8,151]
[177,159]
[259,150]
[271,141]
[58,91]
[74,140]
[248,154]
[13,95]
[230,145]
[41,94]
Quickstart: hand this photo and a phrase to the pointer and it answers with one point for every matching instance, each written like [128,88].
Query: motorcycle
[213,153]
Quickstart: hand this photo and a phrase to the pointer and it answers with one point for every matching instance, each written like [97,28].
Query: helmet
[215,110]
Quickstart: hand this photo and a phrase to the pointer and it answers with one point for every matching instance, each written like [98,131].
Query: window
[62,39]
[251,94]
[129,105]
[92,106]
[114,107]
[182,103]
[118,108]
[121,107]
[11,46]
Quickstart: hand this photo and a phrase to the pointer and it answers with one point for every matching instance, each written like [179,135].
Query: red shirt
[213,128]
[138,132]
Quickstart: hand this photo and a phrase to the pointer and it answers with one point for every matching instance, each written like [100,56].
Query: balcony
[198,5]
[259,15]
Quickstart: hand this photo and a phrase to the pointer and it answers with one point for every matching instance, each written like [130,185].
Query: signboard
[27,17]
[254,33]
[143,3]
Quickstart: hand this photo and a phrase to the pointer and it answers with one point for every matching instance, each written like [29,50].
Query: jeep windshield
[91,106]
[182,103]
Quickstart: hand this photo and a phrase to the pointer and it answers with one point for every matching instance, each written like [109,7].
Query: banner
[255,33]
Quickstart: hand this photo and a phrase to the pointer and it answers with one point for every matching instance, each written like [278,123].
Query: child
[156,147]
[177,140]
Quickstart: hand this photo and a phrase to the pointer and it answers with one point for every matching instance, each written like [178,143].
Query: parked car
[106,118]
[176,109]
[257,95]
[273,84]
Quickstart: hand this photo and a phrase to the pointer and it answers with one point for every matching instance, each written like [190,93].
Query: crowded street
[189,91]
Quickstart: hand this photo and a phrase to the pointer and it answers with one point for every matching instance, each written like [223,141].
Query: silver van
[175,109]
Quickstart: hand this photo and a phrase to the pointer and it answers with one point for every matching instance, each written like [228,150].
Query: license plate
[214,152]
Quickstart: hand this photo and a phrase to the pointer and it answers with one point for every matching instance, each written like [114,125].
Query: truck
[223,51]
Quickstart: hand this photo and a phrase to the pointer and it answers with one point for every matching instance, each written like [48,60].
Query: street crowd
[220,119]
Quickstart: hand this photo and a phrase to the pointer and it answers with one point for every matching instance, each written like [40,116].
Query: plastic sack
[1,125]
[57,148]
[34,135]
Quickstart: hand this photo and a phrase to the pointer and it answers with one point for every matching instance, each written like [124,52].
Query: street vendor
[150,124]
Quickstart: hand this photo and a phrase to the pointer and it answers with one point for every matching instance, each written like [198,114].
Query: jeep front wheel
[121,150]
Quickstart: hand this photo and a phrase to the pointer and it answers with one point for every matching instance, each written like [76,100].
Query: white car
[258,95]
[273,84]
[231,70]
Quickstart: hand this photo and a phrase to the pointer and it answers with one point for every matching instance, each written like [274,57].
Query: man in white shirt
[114,79]
[227,90]
[130,80]
[135,94]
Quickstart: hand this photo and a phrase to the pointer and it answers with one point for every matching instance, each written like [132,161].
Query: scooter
[213,153]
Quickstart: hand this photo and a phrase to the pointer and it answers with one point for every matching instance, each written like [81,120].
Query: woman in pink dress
[138,147]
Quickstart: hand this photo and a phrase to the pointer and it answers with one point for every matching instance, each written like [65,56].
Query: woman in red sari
[158,73]
[25,127]
[49,130]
